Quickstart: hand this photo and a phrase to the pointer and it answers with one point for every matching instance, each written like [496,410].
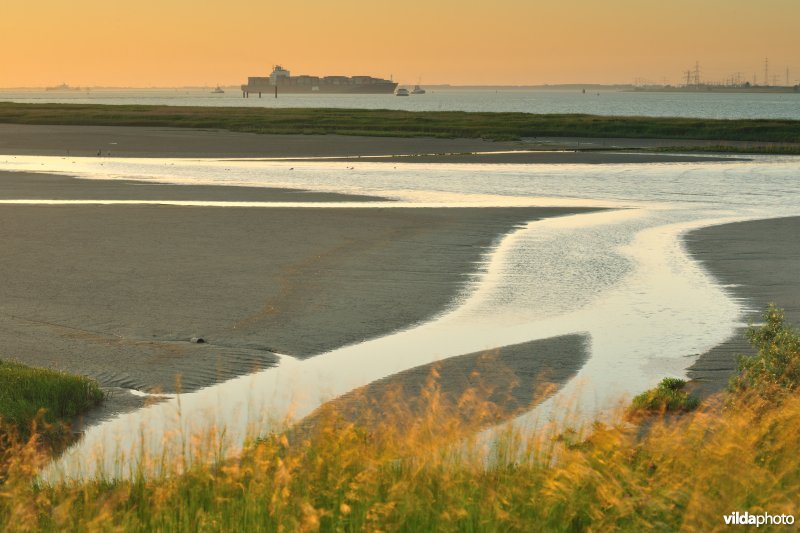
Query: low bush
[775,369]
[668,397]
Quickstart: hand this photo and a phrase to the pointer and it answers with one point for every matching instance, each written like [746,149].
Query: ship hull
[383,88]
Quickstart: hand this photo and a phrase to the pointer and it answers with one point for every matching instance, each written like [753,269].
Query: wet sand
[125,141]
[117,292]
[617,143]
[544,157]
[761,259]
[499,384]
[34,186]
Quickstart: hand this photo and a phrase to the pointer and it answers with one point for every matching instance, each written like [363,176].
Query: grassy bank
[496,126]
[54,397]
[420,470]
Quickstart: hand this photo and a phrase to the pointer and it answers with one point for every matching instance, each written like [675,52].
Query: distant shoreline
[457,87]
[776,89]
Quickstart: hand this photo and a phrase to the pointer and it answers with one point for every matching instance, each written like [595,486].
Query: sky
[144,43]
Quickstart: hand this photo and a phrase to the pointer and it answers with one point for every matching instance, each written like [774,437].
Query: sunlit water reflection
[621,276]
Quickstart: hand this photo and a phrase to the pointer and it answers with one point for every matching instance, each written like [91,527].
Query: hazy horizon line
[237,85]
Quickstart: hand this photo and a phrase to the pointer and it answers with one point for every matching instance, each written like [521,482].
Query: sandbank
[128,141]
[118,292]
[36,186]
[759,262]
[499,383]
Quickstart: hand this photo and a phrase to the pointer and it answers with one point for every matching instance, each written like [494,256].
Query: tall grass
[392,123]
[420,470]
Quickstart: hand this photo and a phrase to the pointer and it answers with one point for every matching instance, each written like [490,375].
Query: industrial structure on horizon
[736,82]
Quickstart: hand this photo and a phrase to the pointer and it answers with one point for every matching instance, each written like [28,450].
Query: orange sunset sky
[201,42]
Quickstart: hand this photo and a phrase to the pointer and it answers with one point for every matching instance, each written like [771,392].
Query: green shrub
[669,396]
[775,369]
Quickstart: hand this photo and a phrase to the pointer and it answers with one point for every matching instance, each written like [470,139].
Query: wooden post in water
[276,91]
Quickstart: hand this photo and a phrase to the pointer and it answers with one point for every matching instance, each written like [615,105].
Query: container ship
[62,87]
[282,80]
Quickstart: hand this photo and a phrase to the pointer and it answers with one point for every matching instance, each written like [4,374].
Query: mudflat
[129,141]
[760,261]
[547,157]
[118,292]
[35,186]
[494,385]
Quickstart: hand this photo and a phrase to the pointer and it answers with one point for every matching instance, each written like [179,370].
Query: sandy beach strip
[545,157]
[126,141]
[760,262]
[35,186]
[117,292]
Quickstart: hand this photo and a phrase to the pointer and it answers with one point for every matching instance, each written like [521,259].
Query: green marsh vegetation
[669,396]
[423,470]
[768,149]
[51,397]
[389,123]
[774,372]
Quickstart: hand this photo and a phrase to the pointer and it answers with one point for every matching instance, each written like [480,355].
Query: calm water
[620,277]
[706,105]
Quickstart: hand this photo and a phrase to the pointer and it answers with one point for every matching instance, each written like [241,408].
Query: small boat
[401,92]
[417,90]
[218,90]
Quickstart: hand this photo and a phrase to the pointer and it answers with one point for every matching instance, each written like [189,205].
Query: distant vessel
[417,90]
[281,81]
[62,87]
[401,92]
[218,90]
